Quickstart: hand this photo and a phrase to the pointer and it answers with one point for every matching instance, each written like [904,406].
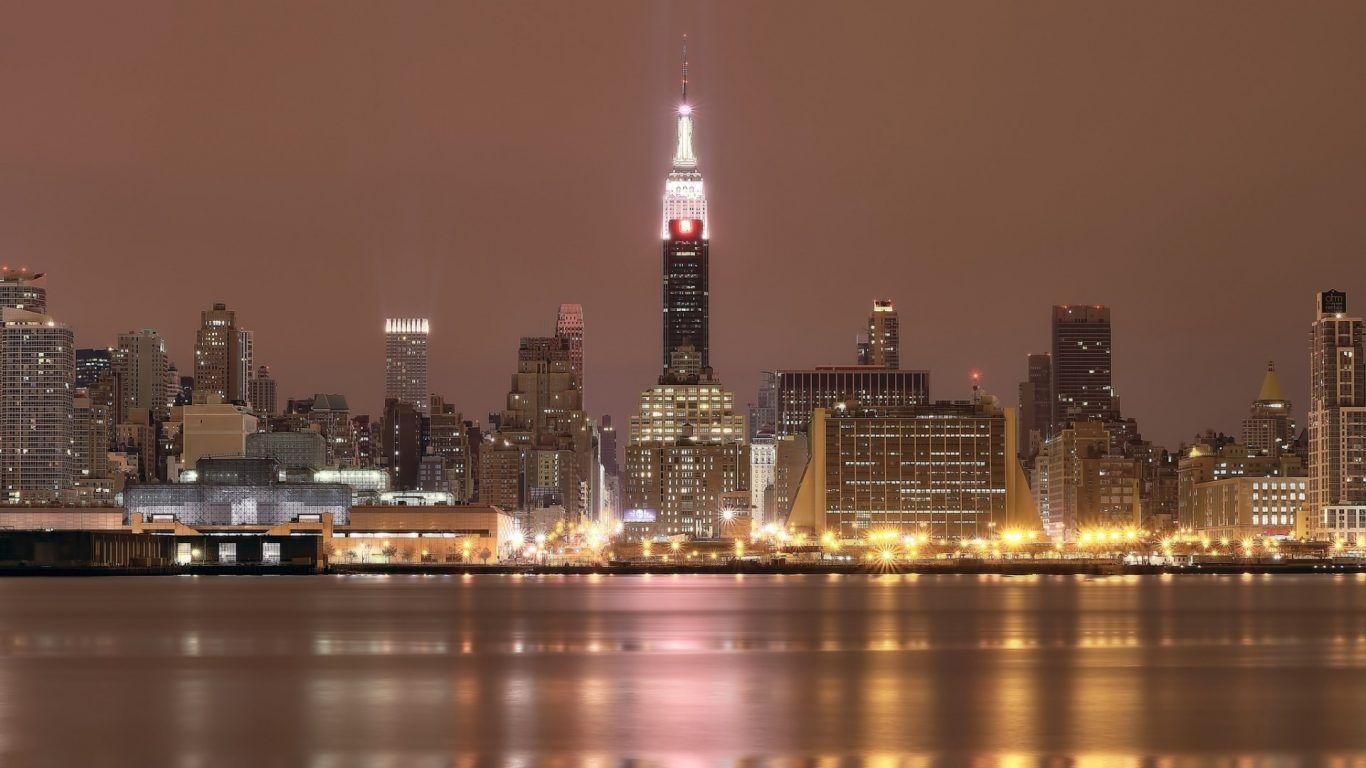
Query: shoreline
[968,568]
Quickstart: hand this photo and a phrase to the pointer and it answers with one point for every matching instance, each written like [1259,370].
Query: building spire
[685,69]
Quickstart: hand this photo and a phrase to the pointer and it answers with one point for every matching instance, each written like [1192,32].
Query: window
[270,553]
[227,553]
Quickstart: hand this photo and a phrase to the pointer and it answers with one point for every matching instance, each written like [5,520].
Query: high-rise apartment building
[569,325]
[222,356]
[405,361]
[799,392]
[21,289]
[1082,386]
[1036,405]
[263,392]
[1269,428]
[139,362]
[881,346]
[1337,416]
[37,371]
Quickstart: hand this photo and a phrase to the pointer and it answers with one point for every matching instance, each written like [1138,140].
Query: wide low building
[431,533]
[1239,507]
[946,470]
[237,492]
[799,392]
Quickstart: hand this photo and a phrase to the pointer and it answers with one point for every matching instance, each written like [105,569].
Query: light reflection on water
[892,670]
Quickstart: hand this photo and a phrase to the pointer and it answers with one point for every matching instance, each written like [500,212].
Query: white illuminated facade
[405,361]
[684,195]
[707,411]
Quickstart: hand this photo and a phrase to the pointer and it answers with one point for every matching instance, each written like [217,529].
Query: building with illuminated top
[405,361]
[686,446]
[1269,427]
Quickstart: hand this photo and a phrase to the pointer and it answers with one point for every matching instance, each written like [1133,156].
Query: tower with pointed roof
[1269,427]
[686,258]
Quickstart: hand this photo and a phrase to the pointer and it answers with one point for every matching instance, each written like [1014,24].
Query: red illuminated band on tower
[685,229]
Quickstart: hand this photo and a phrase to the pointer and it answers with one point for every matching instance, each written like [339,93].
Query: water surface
[436,670]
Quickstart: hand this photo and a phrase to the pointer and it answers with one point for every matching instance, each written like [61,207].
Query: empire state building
[686,258]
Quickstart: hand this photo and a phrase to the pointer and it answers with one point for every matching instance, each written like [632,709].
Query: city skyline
[1205,279]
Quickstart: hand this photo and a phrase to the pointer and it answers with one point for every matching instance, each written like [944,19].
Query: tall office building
[37,371]
[401,443]
[140,363]
[1082,386]
[263,392]
[687,248]
[405,361]
[607,440]
[569,325]
[21,289]
[544,417]
[946,470]
[1337,420]
[686,446]
[222,356]
[802,391]
[1036,409]
[1269,428]
[882,344]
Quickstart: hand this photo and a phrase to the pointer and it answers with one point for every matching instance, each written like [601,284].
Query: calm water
[332,671]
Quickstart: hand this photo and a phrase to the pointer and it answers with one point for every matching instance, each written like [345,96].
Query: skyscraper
[140,363]
[37,371]
[1036,409]
[1337,416]
[687,247]
[569,325]
[405,361]
[686,446]
[1269,428]
[222,355]
[882,344]
[1082,387]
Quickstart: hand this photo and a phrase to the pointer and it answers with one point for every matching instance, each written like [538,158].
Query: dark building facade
[1036,404]
[801,392]
[402,443]
[686,291]
[1082,385]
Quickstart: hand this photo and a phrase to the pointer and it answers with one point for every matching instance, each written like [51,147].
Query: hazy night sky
[1201,167]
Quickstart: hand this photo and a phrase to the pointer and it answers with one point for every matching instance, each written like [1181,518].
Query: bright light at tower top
[407,325]
[685,109]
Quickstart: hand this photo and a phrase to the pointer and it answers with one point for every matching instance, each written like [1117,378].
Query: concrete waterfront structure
[1081,365]
[223,356]
[37,373]
[799,392]
[1337,418]
[946,470]
[405,361]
